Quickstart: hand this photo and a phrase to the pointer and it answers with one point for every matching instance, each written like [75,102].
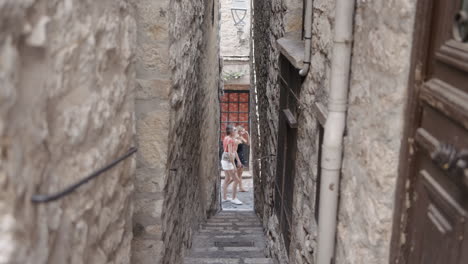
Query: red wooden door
[234,110]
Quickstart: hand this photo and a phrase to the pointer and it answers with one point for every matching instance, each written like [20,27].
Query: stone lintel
[293,50]
[236,59]
[237,87]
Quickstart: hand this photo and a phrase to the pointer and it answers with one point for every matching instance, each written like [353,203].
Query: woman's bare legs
[227,181]
[231,177]
[239,175]
[235,179]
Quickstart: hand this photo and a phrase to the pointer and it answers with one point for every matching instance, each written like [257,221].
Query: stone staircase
[230,237]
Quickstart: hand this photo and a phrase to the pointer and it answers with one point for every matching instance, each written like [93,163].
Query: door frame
[418,68]
[249,123]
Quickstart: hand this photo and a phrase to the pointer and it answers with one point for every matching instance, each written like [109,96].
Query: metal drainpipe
[332,148]
[307,37]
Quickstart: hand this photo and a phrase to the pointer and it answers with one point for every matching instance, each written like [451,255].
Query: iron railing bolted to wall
[45,198]
[266,157]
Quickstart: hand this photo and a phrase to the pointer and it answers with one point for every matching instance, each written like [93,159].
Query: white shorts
[227,165]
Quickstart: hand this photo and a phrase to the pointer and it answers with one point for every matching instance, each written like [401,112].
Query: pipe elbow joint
[303,72]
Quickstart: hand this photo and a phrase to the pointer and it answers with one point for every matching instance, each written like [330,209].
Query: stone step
[210,246]
[222,250]
[219,243]
[229,232]
[229,238]
[254,228]
[192,260]
[241,224]
[228,261]
[234,252]
[258,261]
[235,214]
[233,220]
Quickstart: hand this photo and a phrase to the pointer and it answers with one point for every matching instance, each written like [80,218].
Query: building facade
[235,57]
[178,82]
[67,110]
[81,83]
[375,222]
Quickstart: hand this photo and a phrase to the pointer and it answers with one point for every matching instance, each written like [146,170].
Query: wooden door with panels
[235,105]
[431,219]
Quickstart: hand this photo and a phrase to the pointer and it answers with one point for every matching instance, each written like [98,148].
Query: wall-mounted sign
[239,12]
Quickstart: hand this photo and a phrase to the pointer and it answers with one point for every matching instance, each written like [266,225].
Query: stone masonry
[380,67]
[79,82]
[266,56]
[177,113]
[379,85]
[229,238]
[82,81]
[66,110]
[233,43]
[153,78]
[234,46]
[192,187]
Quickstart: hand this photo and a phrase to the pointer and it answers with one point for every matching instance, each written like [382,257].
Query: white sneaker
[227,200]
[236,201]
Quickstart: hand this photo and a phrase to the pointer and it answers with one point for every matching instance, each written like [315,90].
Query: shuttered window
[290,83]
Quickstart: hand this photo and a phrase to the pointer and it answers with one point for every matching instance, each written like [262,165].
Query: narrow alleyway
[229,238]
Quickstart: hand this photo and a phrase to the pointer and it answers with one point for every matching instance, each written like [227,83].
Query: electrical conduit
[332,148]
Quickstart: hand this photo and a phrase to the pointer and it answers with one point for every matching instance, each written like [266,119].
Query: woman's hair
[240,128]
[229,130]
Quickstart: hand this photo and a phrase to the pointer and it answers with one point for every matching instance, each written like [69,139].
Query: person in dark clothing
[243,140]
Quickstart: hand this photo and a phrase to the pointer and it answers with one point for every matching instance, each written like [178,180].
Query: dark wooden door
[290,84]
[432,219]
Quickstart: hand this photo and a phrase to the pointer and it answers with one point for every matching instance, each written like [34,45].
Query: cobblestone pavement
[245,197]
[229,238]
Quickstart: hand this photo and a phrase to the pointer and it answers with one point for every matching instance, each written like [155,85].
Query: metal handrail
[45,198]
[266,157]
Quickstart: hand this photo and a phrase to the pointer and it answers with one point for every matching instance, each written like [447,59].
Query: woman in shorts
[228,161]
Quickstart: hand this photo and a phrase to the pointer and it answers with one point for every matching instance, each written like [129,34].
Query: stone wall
[266,55]
[271,22]
[233,43]
[378,85]
[66,110]
[192,187]
[153,116]
[380,70]
[177,113]
[236,72]
[314,90]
